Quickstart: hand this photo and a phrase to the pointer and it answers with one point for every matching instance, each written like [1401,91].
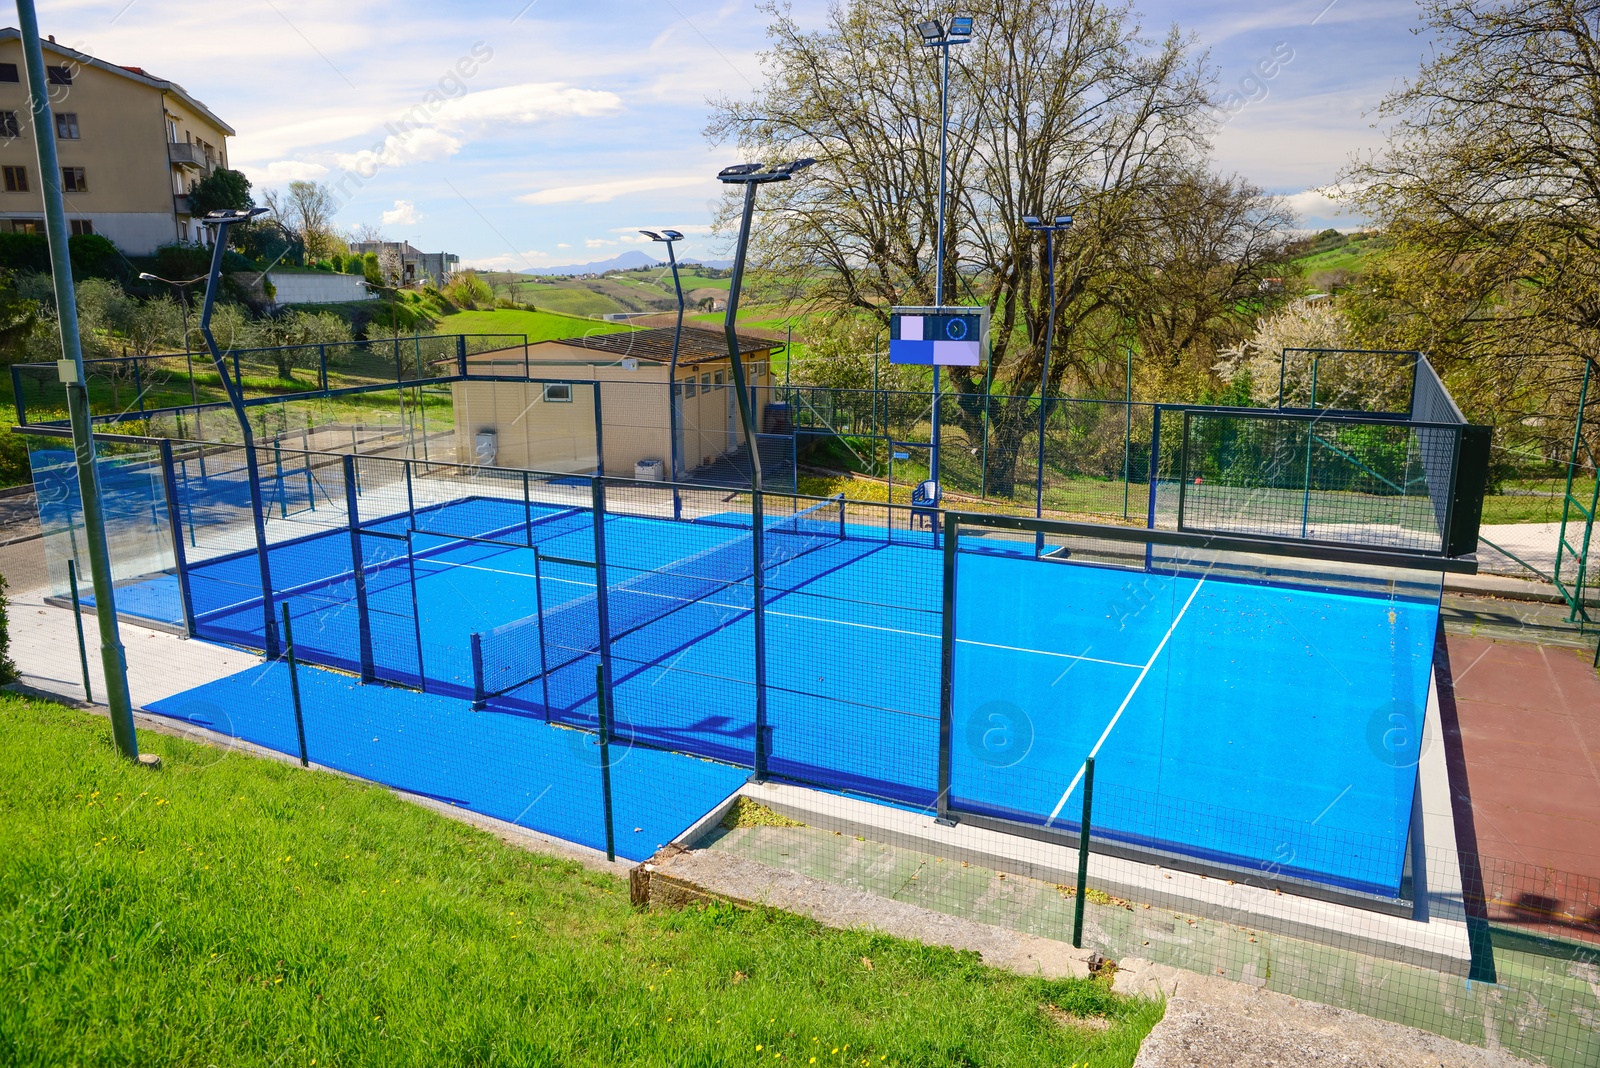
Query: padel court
[1250,710]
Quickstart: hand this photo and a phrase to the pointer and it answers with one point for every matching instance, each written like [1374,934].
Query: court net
[517,653]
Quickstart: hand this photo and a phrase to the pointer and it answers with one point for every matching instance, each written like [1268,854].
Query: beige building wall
[124,123]
[541,435]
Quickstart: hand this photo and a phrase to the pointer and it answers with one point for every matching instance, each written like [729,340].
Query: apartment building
[129,144]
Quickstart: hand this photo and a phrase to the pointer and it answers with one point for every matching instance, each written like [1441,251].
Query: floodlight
[1030,221]
[672,235]
[931,31]
[738,169]
[231,215]
[961,26]
[1063,220]
[652,235]
[793,165]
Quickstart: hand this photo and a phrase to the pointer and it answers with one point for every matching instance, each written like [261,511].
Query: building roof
[135,74]
[699,345]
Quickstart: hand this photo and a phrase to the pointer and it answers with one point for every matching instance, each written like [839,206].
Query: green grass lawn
[229,910]
[538,325]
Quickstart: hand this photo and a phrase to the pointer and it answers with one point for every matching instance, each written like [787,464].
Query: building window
[705,383]
[82,226]
[25,226]
[72,180]
[8,124]
[58,75]
[67,125]
[558,392]
[688,387]
[719,379]
[8,72]
[16,179]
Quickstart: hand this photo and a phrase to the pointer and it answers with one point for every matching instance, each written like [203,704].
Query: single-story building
[548,423]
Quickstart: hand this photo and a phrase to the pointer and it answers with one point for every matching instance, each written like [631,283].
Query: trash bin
[486,447]
[777,418]
[649,471]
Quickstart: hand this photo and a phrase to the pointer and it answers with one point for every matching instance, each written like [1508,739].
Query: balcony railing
[180,204]
[187,154]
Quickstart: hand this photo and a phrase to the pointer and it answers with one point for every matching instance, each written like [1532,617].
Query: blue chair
[925,504]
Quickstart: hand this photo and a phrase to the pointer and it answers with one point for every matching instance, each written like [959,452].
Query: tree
[391,269]
[222,188]
[307,209]
[1058,106]
[1489,187]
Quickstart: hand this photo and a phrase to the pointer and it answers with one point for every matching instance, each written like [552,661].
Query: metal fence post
[416,609]
[527,514]
[479,698]
[602,577]
[16,395]
[461,355]
[363,620]
[605,758]
[1083,854]
[77,621]
[322,367]
[947,668]
[180,562]
[294,684]
[538,607]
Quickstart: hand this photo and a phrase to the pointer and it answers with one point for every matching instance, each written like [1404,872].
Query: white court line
[1046,652]
[1148,664]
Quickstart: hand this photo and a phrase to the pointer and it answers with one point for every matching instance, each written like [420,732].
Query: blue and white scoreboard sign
[938,337]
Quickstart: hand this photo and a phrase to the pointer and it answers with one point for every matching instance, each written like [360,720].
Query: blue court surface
[1253,716]
[545,778]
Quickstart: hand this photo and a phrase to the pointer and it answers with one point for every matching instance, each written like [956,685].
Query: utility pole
[112,657]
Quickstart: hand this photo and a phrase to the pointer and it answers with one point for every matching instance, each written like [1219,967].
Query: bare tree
[1058,106]
[1489,188]
[307,209]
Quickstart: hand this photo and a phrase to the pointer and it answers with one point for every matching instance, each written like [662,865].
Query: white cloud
[563,244]
[418,146]
[595,242]
[696,228]
[529,102]
[601,192]
[286,170]
[405,213]
[1322,207]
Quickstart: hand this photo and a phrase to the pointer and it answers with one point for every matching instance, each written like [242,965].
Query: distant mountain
[631,258]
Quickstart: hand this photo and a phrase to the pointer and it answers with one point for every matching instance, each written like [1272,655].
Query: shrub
[182,259]
[93,256]
[8,670]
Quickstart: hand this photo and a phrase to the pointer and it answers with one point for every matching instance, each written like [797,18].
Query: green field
[234,911]
[538,325]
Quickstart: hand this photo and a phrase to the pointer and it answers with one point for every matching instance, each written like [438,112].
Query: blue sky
[555,129]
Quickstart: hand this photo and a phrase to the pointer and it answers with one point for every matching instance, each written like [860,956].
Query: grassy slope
[228,910]
[538,325]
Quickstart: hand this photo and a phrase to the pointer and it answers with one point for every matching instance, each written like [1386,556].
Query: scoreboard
[940,337]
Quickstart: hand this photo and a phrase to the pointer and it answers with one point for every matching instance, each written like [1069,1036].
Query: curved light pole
[113,658]
[936,35]
[183,297]
[669,237]
[1049,230]
[751,175]
[220,221]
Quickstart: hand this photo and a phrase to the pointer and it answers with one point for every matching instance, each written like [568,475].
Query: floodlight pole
[667,236]
[112,657]
[1061,222]
[757,520]
[944,42]
[750,176]
[221,221]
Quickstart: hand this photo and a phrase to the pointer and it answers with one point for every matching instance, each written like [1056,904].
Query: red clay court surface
[1526,752]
